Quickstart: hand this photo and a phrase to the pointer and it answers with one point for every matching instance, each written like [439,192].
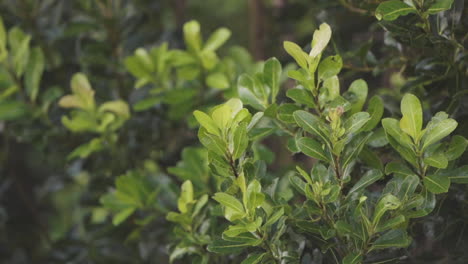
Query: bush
[175,145]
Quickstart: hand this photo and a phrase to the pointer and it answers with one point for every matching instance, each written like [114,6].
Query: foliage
[290,164]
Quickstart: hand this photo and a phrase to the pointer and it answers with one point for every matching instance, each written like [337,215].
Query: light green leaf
[118,107]
[297,53]
[84,150]
[320,40]
[3,41]
[391,10]
[330,67]
[192,35]
[33,74]
[312,149]
[207,122]
[439,131]
[186,196]
[411,122]
[122,215]
[82,89]
[229,201]
[217,80]
[217,39]
[437,183]
[20,55]
[271,76]
[246,91]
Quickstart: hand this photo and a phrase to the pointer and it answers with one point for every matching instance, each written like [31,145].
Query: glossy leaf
[312,149]
[391,10]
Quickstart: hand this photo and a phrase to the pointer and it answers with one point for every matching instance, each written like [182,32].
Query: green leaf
[286,111]
[122,215]
[207,122]
[356,95]
[254,195]
[20,55]
[192,35]
[146,103]
[366,180]
[84,150]
[297,53]
[437,183]
[240,140]
[247,93]
[186,196]
[392,239]
[356,122]
[320,40]
[411,122]
[229,201]
[311,124]
[297,183]
[439,6]
[456,148]
[271,76]
[301,96]
[391,10]
[312,149]
[253,258]
[330,67]
[386,203]
[217,80]
[3,41]
[438,160]
[398,169]
[12,110]
[274,217]
[352,258]
[459,175]
[34,73]
[438,132]
[225,247]
[392,129]
[332,87]
[375,109]
[217,39]
[391,223]
[118,107]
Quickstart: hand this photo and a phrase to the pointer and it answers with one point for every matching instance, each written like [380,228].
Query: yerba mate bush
[100,103]
[349,206]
